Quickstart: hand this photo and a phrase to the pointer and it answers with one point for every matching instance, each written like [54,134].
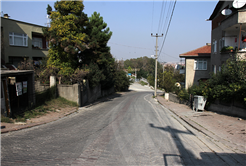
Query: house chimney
[208,44]
[6,16]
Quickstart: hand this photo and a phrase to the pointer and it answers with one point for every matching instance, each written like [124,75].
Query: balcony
[226,55]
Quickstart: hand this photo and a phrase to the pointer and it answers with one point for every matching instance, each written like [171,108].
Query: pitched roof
[199,52]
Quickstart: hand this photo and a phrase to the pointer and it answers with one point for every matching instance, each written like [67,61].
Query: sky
[132,23]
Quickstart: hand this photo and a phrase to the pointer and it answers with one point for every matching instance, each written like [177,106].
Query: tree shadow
[103,99]
[186,157]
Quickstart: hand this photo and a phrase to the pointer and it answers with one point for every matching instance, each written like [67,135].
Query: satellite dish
[226,12]
[238,3]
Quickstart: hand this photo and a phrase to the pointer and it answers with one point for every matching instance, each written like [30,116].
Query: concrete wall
[81,94]
[41,87]
[228,110]
[69,92]
[107,92]
[174,98]
[93,93]
[231,109]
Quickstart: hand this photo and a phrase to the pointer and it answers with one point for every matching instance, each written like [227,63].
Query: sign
[18,88]
[24,86]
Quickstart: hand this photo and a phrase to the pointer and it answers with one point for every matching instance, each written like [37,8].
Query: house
[228,29]
[197,64]
[21,40]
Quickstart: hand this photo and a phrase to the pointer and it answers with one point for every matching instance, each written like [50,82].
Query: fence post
[52,81]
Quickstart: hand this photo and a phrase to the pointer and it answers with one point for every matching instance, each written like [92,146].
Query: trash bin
[199,103]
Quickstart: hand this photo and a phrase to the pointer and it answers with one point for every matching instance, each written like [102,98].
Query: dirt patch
[48,117]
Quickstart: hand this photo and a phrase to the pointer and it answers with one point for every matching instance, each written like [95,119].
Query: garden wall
[81,94]
[69,92]
[41,87]
[174,98]
[233,109]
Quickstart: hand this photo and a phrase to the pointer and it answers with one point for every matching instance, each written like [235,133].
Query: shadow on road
[103,99]
[187,157]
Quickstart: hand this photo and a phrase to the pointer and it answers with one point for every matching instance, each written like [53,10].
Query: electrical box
[199,103]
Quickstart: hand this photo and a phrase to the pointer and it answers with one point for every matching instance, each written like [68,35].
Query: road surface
[129,129]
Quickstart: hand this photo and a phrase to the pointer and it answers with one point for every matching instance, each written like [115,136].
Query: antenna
[238,3]
[226,12]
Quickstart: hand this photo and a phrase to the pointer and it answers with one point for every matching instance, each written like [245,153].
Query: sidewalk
[228,130]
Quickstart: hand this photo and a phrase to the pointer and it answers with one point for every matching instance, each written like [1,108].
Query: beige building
[21,40]
[197,65]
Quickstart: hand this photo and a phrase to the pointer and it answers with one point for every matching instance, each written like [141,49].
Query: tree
[66,34]
[121,81]
[98,52]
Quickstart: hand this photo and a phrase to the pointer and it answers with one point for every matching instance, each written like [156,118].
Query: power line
[168,27]
[131,46]
[169,55]
[160,21]
[168,14]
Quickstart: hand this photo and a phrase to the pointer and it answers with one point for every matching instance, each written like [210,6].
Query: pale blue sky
[133,22]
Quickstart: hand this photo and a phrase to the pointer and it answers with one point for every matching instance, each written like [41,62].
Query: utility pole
[156,56]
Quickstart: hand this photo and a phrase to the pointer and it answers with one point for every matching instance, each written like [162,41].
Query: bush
[183,94]
[122,81]
[143,83]
[151,80]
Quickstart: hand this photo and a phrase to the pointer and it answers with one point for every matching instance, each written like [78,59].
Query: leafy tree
[151,80]
[95,75]
[121,81]
[169,82]
[66,34]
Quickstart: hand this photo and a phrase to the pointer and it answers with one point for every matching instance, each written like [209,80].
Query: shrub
[122,81]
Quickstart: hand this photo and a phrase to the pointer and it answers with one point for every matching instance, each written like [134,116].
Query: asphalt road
[129,129]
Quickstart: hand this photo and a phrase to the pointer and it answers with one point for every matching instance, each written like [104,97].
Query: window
[37,42]
[222,43]
[16,39]
[200,64]
[214,69]
[215,46]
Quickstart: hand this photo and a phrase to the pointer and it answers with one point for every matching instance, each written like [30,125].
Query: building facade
[197,65]
[228,29]
[21,40]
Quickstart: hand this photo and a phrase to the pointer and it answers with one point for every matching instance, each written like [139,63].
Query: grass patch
[143,83]
[48,106]
[6,119]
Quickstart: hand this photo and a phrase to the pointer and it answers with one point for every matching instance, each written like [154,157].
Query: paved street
[129,129]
